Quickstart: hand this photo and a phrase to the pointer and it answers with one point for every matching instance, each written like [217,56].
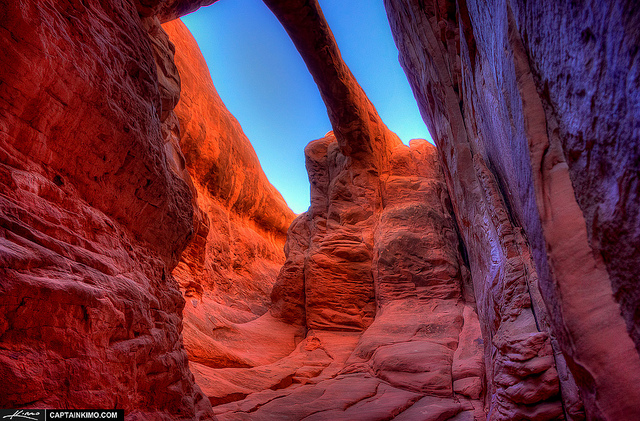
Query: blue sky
[266,86]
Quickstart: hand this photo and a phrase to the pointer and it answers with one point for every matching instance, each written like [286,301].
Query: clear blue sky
[266,86]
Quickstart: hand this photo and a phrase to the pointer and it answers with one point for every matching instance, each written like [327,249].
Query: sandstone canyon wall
[490,278]
[377,257]
[373,274]
[228,270]
[94,213]
[98,205]
[535,118]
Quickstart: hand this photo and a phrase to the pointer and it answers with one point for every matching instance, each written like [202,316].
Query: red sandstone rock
[228,271]
[336,280]
[360,132]
[167,10]
[103,184]
[597,115]
[344,172]
[376,253]
[173,9]
[94,214]
[422,336]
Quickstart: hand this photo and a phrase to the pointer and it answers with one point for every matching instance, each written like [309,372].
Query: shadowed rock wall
[492,277]
[529,107]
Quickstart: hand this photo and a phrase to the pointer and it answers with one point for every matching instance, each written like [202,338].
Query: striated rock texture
[536,122]
[95,210]
[421,353]
[228,270]
[345,192]
[374,277]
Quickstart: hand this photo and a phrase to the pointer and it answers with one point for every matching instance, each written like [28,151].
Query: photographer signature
[20,414]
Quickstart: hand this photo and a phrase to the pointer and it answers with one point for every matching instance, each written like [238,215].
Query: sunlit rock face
[228,270]
[94,213]
[401,244]
[536,124]
[412,345]
[374,279]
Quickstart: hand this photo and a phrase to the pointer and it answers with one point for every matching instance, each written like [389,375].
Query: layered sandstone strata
[420,352]
[491,277]
[524,239]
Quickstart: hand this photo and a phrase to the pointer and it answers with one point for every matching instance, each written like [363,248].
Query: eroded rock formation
[376,254]
[94,213]
[491,278]
[167,10]
[526,133]
[228,270]
[373,274]
[422,349]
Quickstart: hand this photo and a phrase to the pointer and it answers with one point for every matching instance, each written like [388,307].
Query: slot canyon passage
[146,262]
